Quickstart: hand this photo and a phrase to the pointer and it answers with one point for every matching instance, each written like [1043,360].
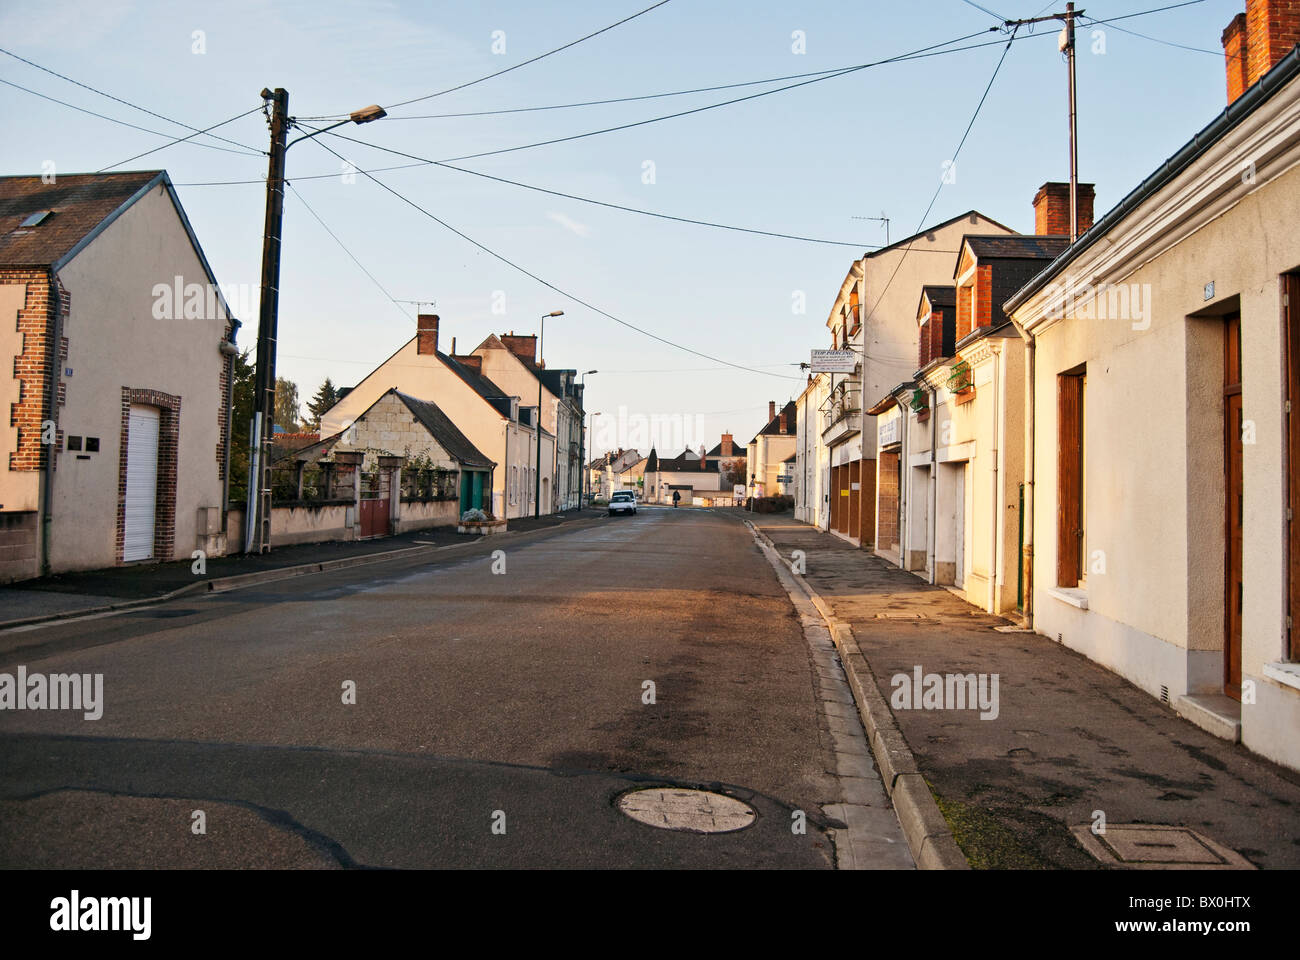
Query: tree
[733,472]
[325,398]
[241,417]
[287,405]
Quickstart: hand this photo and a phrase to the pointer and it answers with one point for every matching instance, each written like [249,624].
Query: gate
[376,504]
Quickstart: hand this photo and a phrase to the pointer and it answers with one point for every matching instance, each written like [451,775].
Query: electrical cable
[128,103]
[546,283]
[124,123]
[183,139]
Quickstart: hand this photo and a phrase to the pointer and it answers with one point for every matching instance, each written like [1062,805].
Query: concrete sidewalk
[1070,738]
[90,591]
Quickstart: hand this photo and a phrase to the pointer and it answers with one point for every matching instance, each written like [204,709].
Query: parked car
[623,501]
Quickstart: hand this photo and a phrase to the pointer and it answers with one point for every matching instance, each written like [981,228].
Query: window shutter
[1068,478]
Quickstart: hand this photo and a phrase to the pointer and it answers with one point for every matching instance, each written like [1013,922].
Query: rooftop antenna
[882,219]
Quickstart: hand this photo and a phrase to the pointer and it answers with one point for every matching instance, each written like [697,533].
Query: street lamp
[537,479]
[582,444]
[262,430]
[591,428]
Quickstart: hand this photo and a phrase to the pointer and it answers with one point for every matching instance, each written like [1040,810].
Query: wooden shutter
[1069,477]
[1291,291]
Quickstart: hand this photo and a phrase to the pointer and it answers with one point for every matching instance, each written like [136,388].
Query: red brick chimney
[523,347]
[1255,41]
[1052,209]
[426,336]
[471,360]
[771,410]
[783,423]
[1234,56]
[726,444]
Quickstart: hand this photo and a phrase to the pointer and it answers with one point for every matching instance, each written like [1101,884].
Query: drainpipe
[52,414]
[228,348]
[998,427]
[933,546]
[1032,392]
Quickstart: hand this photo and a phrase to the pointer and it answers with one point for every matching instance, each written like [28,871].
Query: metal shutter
[141,482]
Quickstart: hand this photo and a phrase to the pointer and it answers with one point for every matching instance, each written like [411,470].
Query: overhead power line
[956,153]
[128,103]
[184,139]
[546,283]
[498,73]
[326,227]
[601,203]
[211,146]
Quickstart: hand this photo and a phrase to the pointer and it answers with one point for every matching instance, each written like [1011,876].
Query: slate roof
[440,427]
[940,296]
[80,203]
[1017,247]
[774,426]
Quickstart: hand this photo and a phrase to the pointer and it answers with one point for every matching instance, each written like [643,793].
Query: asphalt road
[484,702]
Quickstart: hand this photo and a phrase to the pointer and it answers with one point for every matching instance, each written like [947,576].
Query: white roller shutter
[141,482]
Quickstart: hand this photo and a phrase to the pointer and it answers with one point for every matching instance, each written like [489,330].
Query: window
[92,444]
[74,443]
[1070,514]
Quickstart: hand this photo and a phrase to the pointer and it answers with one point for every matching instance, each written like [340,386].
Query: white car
[624,501]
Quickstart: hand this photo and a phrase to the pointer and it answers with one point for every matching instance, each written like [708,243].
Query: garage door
[141,482]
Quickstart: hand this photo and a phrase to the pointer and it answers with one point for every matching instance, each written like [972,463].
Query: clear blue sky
[806,161]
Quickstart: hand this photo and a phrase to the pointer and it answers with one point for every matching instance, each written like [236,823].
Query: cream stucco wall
[1154,433]
[425,377]
[115,341]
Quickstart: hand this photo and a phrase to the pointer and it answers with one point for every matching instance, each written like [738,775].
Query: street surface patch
[693,811]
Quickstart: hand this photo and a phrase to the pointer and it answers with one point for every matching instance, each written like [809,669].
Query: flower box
[481,527]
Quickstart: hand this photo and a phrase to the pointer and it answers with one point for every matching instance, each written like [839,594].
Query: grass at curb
[986,842]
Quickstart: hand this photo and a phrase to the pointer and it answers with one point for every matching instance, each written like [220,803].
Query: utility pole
[1066,45]
[257,534]
[261,434]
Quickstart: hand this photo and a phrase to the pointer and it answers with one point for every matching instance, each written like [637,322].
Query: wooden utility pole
[1066,45]
[257,534]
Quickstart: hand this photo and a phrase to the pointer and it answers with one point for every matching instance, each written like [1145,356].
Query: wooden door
[1233,503]
[1291,302]
[376,502]
[855,499]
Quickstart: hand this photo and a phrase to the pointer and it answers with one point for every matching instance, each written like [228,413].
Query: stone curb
[928,836]
[226,584]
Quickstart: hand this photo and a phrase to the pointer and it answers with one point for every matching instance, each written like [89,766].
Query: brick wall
[965,300]
[31,367]
[223,427]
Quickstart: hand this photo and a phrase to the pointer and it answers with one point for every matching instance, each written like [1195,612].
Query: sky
[811,161]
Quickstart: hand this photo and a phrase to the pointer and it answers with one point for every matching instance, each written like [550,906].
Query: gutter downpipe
[1028,560]
[933,545]
[230,413]
[999,426]
[52,414]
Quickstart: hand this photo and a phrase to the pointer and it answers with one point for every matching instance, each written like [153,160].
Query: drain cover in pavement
[1143,846]
[695,811]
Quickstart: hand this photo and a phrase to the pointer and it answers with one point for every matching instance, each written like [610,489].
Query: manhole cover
[695,811]
[1142,846]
